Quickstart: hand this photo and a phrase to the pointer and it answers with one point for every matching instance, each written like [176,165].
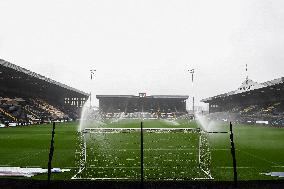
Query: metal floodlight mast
[191,71]
[92,75]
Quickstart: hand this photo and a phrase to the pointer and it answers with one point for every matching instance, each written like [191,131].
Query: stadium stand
[142,106]
[251,103]
[29,98]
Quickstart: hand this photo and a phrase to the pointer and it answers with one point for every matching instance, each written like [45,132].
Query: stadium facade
[142,103]
[252,102]
[28,97]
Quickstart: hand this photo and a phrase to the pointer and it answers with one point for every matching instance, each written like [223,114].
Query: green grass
[29,147]
[259,149]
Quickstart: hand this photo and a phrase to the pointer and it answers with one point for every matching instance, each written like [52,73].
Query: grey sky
[148,45]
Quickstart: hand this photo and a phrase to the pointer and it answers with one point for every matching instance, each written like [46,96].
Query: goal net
[168,154]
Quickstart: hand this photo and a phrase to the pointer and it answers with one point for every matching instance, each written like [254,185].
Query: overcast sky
[148,45]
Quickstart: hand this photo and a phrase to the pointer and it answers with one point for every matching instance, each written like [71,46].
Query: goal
[168,154]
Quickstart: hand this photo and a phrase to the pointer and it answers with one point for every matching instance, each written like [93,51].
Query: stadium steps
[53,111]
[30,112]
[8,114]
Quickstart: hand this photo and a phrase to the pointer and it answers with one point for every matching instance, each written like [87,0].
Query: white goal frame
[83,144]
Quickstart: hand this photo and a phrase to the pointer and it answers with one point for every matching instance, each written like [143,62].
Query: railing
[8,114]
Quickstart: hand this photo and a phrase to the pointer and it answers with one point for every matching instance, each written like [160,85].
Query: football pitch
[259,149]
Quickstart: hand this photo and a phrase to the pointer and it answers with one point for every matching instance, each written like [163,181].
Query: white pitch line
[211,178]
[257,157]
[155,149]
[278,166]
[138,128]
[137,167]
[221,149]
[248,167]
[94,166]
[27,155]
[138,179]
[229,167]
[110,178]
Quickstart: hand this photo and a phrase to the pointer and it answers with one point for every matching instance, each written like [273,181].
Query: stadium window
[142,95]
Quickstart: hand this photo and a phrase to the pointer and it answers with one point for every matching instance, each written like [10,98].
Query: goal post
[169,154]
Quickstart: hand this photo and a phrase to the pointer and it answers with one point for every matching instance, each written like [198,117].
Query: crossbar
[121,130]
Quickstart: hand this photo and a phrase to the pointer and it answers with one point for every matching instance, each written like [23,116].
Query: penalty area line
[257,157]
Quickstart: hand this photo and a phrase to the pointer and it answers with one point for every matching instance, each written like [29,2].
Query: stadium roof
[38,76]
[247,86]
[20,80]
[151,96]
